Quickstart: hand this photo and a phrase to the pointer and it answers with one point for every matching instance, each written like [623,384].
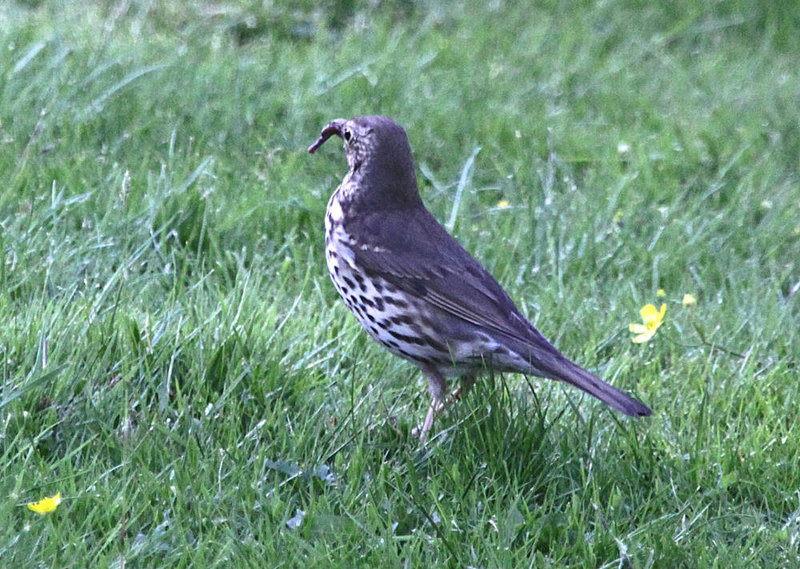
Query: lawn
[175,362]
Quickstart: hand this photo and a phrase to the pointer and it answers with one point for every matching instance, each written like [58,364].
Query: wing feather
[420,256]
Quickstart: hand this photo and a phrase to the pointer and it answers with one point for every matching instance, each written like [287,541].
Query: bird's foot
[439,405]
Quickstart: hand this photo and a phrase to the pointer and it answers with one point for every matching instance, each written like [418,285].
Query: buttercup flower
[660,293]
[46,505]
[502,204]
[651,321]
[688,300]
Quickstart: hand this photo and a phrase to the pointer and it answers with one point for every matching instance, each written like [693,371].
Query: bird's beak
[334,127]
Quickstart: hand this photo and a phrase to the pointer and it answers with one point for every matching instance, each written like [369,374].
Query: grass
[175,362]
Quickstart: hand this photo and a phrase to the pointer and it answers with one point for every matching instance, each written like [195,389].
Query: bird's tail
[553,365]
[573,374]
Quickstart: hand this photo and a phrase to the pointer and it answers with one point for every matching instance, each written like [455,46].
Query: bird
[416,290]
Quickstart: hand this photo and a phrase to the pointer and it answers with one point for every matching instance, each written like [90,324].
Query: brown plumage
[415,289]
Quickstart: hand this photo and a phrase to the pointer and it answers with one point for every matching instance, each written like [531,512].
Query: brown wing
[416,254]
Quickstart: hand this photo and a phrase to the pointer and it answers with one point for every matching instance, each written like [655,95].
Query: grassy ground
[175,362]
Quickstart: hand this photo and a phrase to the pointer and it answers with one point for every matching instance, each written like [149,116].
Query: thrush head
[379,161]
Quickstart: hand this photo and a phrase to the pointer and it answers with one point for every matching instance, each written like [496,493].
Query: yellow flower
[502,204]
[46,505]
[618,215]
[660,293]
[688,300]
[651,319]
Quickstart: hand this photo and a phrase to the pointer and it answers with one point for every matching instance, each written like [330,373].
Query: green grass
[176,363]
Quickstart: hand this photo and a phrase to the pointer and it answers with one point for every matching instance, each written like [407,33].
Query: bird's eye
[347,135]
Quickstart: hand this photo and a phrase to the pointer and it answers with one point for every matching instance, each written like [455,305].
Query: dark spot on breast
[395,302]
[401,319]
[348,282]
[435,344]
[408,339]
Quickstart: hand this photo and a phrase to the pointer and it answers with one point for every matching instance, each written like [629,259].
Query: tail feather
[551,364]
[573,374]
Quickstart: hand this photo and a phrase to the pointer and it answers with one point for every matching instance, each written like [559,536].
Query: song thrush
[415,289]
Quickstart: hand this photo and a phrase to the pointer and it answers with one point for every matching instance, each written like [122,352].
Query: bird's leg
[437,385]
[427,424]
[465,384]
